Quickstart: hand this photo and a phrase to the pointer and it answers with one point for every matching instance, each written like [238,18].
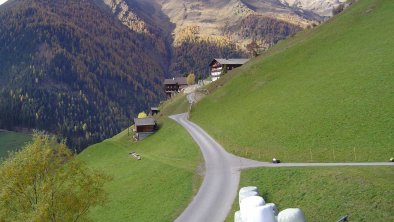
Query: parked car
[274,160]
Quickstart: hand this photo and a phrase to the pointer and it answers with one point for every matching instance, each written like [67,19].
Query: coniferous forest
[69,68]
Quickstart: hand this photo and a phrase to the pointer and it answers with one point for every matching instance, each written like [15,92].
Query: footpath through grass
[156,188]
[12,141]
[325,95]
[326,193]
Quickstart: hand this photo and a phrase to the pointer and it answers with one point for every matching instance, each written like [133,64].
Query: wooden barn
[144,127]
[174,85]
[221,66]
[154,111]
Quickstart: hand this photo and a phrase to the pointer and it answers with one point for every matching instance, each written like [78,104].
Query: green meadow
[326,193]
[324,95]
[156,188]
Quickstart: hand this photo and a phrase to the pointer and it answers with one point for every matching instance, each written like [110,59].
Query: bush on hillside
[142,115]
[191,78]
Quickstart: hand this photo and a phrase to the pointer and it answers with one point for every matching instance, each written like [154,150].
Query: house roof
[148,121]
[169,82]
[181,80]
[154,108]
[176,80]
[230,61]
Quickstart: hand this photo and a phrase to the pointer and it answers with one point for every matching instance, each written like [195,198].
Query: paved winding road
[222,172]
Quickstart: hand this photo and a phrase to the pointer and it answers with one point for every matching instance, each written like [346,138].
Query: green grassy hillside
[326,194]
[324,95]
[11,141]
[156,188]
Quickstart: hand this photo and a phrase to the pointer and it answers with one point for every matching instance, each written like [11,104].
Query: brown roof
[176,80]
[148,121]
[181,80]
[230,61]
[169,82]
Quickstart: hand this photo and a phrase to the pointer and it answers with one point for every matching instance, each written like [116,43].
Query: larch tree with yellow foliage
[45,182]
[142,115]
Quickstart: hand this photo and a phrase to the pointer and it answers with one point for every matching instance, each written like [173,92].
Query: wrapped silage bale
[263,213]
[291,215]
[237,217]
[274,208]
[248,188]
[244,195]
[248,204]
[247,192]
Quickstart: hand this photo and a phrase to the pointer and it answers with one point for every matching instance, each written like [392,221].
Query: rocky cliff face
[320,7]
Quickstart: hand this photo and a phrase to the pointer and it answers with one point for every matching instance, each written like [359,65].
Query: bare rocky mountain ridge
[320,7]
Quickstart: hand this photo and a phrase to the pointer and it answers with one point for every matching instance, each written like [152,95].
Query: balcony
[216,69]
[216,73]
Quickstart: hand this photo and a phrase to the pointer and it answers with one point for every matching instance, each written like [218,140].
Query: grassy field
[175,105]
[156,188]
[324,95]
[324,194]
[11,141]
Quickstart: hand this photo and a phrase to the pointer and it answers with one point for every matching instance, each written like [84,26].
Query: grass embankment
[326,194]
[175,105]
[156,188]
[12,141]
[325,95]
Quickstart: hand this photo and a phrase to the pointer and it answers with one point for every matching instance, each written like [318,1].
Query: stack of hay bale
[254,209]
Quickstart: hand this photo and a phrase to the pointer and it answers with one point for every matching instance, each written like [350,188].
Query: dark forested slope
[71,68]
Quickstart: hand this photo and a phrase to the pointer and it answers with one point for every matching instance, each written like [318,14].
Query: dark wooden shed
[144,127]
[154,111]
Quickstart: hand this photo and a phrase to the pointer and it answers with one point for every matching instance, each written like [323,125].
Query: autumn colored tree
[142,115]
[45,182]
[191,78]
[253,48]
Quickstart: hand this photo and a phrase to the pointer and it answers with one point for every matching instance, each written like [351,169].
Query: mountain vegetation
[267,30]
[73,69]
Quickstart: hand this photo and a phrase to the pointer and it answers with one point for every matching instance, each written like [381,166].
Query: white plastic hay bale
[244,195]
[247,189]
[274,208]
[237,217]
[248,204]
[247,192]
[261,214]
[291,215]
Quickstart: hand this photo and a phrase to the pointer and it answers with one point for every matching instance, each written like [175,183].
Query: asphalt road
[222,172]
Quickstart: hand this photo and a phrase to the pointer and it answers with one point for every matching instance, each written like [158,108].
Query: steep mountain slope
[72,68]
[197,31]
[324,95]
[229,25]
